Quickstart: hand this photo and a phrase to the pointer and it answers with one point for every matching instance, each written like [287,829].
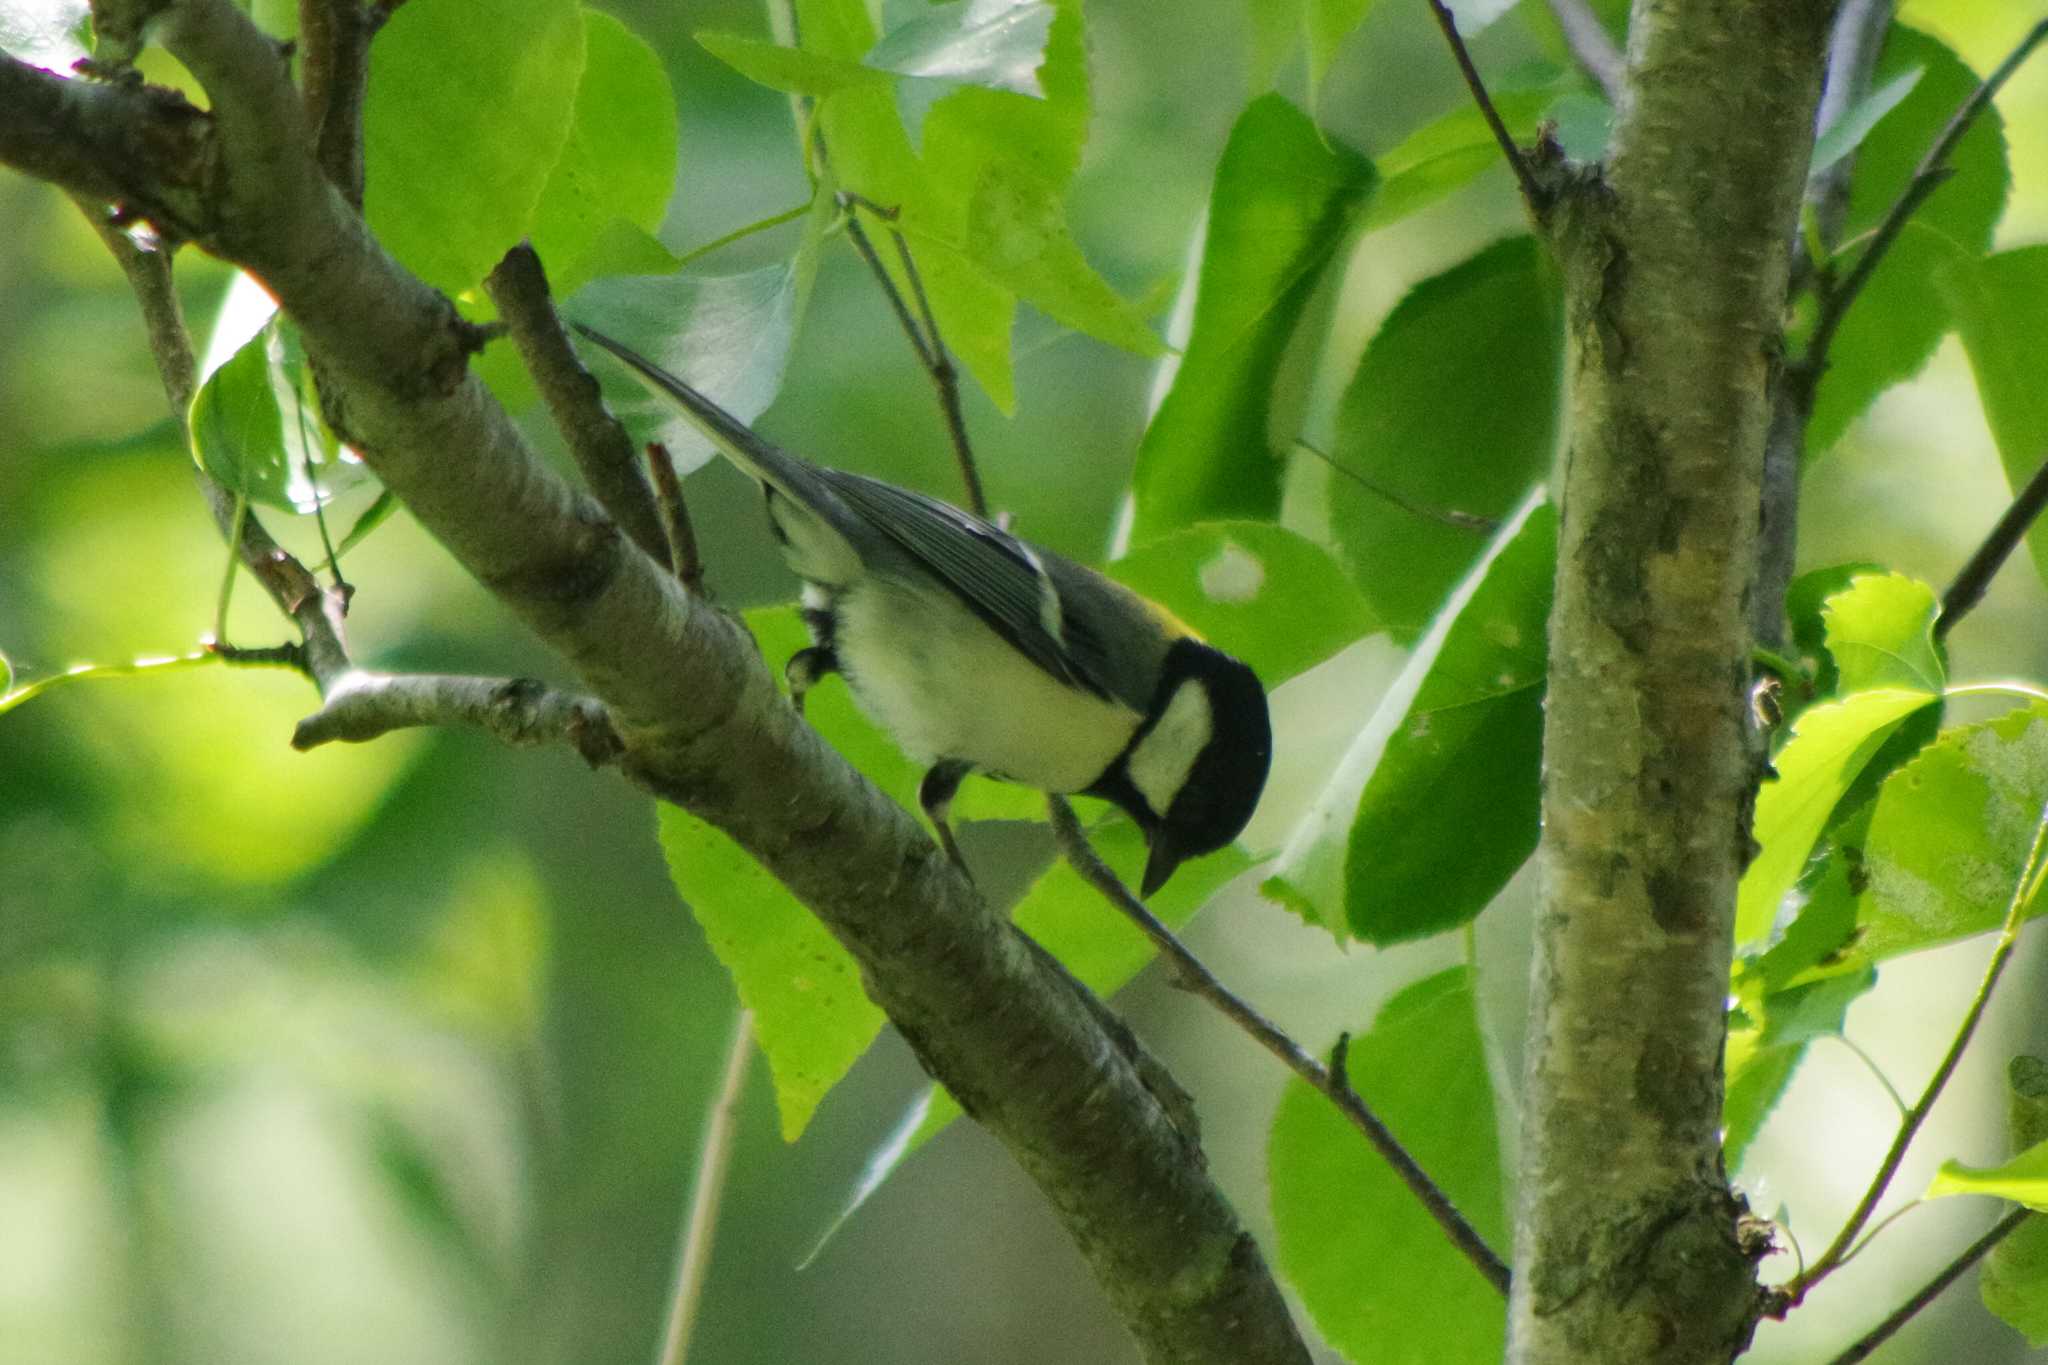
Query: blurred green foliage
[401,1051]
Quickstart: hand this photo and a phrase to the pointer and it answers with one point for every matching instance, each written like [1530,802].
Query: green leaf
[256,427]
[2001,310]
[1846,133]
[1283,204]
[1489,326]
[1314,875]
[730,335]
[1829,748]
[1767,1039]
[2015,1280]
[619,163]
[1071,920]
[972,42]
[1950,835]
[787,68]
[455,163]
[1880,632]
[1277,25]
[1452,809]
[1445,155]
[1329,23]
[2023,1180]
[1805,600]
[1017,234]
[1272,598]
[1901,316]
[810,1015]
[1353,1242]
[237,430]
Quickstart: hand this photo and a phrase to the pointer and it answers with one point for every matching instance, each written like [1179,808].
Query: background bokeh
[402,1052]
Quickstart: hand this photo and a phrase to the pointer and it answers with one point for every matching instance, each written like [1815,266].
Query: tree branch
[1629,1244]
[1194,975]
[1867,1344]
[334,65]
[521,712]
[1591,46]
[1975,576]
[1537,198]
[699,719]
[596,439]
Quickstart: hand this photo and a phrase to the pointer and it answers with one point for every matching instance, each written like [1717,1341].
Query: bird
[980,652]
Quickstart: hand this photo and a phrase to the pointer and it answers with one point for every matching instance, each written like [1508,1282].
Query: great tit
[979,652]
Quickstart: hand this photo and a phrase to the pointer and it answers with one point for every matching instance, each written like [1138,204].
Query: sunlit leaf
[1828,750]
[1353,1241]
[495,84]
[994,43]
[1492,326]
[1880,633]
[1768,1039]
[2015,1280]
[620,160]
[1846,133]
[1283,203]
[2023,1180]
[256,427]
[787,68]
[1442,156]
[1272,598]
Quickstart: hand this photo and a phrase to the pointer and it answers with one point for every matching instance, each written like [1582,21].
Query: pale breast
[939,680]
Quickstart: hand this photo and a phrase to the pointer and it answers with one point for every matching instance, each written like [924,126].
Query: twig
[700,1229]
[598,443]
[1592,47]
[1909,1126]
[1927,1293]
[317,613]
[1976,574]
[675,518]
[923,331]
[1330,1080]
[521,712]
[1533,194]
[1461,521]
[334,49]
[1927,178]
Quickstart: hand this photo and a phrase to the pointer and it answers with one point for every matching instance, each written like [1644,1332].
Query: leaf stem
[1909,1126]
[1330,1080]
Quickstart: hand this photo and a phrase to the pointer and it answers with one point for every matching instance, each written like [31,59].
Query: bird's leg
[935,794]
[804,670]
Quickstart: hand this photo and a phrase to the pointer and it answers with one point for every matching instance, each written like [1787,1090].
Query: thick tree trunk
[1627,1244]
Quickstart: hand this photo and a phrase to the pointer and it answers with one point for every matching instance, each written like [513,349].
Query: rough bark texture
[1627,1246]
[697,717]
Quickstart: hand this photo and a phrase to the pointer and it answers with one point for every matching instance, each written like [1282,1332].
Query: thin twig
[1975,576]
[1927,178]
[599,444]
[1451,517]
[1909,1126]
[362,706]
[1927,1293]
[923,330]
[334,48]
[675,518]
[1591,46]
[1533,194]
[1330,1080]
[317,613]
[700,1229]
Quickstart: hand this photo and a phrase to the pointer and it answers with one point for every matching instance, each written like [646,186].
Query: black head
[1192,774]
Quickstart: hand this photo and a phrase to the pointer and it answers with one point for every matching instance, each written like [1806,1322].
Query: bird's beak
[1160,865]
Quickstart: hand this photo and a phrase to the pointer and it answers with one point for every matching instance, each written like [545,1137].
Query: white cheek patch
[1160,764]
